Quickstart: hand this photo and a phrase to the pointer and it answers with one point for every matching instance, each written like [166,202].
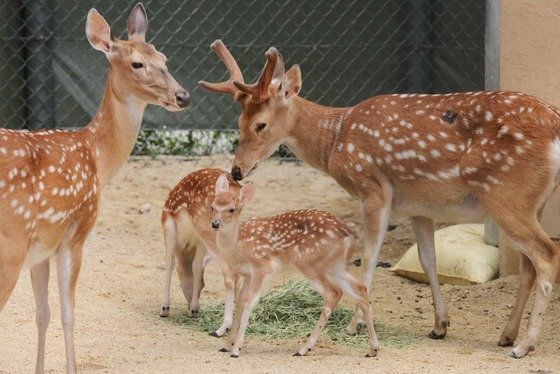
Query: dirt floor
[118,329]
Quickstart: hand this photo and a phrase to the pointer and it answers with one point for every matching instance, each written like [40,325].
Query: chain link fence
[348,50]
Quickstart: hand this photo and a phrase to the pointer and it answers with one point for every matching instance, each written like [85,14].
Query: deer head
[137,66]
[266,120]
[227,206]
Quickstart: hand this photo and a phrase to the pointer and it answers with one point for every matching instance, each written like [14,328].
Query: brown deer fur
[456,157]
[50,181]
[316,243]
[188,235]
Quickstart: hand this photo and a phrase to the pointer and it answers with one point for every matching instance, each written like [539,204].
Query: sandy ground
[120,287]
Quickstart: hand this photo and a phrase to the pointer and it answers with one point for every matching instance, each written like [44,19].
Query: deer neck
[114,129]
[227,239]
[315,132]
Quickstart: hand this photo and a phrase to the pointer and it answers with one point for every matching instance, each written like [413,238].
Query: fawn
[318,244]
[456,157]
[50,181]
[188,238]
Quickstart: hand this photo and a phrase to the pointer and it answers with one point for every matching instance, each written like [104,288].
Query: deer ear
[246,193]
[291,83]
[137,23]
[222,184]
[98,32]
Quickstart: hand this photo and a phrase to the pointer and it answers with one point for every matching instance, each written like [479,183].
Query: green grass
[291,311]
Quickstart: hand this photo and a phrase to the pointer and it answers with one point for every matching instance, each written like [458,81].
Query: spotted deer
[316,243]
[189,240]
[456,157]
[50,181]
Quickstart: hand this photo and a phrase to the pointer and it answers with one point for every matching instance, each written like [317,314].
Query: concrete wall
[530,62]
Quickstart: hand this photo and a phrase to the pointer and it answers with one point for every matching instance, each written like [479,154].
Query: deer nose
[183,98]
[215,225]
[236,173]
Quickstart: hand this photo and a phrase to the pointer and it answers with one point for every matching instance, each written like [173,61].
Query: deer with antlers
[188,238]
[50,181]
[456,157]
[318,244]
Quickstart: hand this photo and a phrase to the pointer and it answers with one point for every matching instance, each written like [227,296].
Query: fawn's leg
[331,294]
[170,238]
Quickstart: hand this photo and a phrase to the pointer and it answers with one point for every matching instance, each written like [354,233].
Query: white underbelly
[467,209]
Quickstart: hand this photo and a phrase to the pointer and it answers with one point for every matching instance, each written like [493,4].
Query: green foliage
[152,143]
[291,311]
[182,142]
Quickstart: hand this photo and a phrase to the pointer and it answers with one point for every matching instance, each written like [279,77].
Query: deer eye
[137,65]
[212,208]
[260,126]
[232,210]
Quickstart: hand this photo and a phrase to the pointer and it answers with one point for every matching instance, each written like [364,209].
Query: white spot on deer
[488,116]
[518,136]
[404,155]
[470,170]
[443,134]
[451,173]
[451,147]
[503,130]
[421,144]
[54,191]
[493,179]
[519,149]
[420,112]
[497,157]
[483,141]
[431,137]
[51,169]
[375,133]
[339,147]
[388,159]
[3,151]
[435,153]
[478,108]
[350,148]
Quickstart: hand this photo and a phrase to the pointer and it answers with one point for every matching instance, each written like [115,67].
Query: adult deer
[316,243]
[50,181]
[456,157]
[188,237]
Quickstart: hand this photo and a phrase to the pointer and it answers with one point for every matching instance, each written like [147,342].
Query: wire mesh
[348,50]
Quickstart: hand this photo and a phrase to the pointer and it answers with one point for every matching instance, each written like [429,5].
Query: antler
[235,75]
[273,70]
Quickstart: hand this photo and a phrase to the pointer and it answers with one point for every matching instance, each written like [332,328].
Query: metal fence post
[492,82]
[39,72]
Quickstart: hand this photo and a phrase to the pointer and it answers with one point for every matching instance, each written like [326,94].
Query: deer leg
[69,260]
[198,277]
[376,211]
[40,283]
[170,238]
[544,255]
[424,231]
[251,299]
[358,292]
[13,250]
[241,296]
[186,277]
[229,283]
[526,280]
[331,294]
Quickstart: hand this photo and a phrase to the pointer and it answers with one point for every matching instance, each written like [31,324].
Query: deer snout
[216,224]
[236,173]
[183,98]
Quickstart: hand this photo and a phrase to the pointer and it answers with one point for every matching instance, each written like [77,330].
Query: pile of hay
[291,311]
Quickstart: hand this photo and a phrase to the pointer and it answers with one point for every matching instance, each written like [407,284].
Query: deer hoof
[435,336]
